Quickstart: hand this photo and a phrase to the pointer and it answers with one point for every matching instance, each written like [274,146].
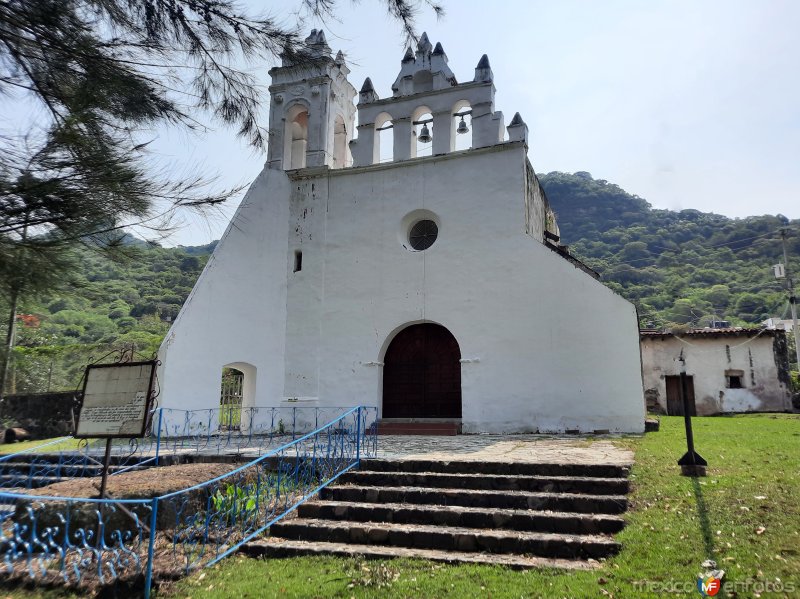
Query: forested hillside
[682,267]
[105,306]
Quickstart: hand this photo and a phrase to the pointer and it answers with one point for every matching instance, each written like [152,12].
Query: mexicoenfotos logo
[708,587]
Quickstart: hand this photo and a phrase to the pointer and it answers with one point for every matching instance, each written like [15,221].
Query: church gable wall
[501,293]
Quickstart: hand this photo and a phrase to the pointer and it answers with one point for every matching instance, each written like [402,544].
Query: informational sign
[116,400]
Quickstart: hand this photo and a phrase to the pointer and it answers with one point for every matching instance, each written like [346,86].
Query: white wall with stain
[709,355]
[319,333]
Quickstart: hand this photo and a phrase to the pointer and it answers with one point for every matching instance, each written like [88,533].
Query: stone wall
[43,415]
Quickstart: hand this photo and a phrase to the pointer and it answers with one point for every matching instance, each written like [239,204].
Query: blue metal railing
[90,541]
[174,433]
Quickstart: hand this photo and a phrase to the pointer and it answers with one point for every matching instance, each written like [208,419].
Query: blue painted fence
[81,541]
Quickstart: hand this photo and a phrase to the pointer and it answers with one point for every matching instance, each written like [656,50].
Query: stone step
[419,428]
[560,502]
[466,517]
[446,538]
[506,468]
[277,547]
[498,482]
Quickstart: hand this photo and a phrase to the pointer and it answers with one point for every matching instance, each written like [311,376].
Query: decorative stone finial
[367,93]
[316,44]
[424,46]
[339,60]
[409,55]
[483,72]
[438,49]
[518,130]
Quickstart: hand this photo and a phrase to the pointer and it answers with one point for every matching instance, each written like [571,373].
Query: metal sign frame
[148,401]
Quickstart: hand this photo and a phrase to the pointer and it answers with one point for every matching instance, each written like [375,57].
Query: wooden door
[422,374]
[674,403]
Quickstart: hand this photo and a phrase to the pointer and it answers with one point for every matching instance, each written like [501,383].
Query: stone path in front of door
[505,448]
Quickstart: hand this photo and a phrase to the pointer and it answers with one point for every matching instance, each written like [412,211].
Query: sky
[687,104]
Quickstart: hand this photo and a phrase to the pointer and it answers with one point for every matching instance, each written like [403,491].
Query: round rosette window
[423,234]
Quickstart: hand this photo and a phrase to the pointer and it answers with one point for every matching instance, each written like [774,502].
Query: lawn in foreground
[745,515]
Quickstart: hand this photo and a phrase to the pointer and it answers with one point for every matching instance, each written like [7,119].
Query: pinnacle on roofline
[424,44]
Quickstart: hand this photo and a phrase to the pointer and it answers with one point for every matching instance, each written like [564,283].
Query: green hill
[682,267]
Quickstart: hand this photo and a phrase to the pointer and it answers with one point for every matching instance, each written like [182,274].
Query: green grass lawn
[745,515]
[67,444]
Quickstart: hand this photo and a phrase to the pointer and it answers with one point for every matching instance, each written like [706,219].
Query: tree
[108,71]
[105,73]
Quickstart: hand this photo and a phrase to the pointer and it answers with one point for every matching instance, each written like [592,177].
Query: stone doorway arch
[422,374]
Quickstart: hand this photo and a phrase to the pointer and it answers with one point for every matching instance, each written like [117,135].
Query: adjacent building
[728,370]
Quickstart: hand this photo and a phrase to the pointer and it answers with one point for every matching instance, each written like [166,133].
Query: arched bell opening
[341,153]
[462,126]
[296,137]
[384,138]
[422,132]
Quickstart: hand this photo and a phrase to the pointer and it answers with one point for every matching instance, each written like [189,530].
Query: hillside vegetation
[105,307]
[684,267]
[679,268]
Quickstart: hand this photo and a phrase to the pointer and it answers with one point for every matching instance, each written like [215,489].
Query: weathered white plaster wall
[320,334]
[236,313]
[707,360]
[497,290]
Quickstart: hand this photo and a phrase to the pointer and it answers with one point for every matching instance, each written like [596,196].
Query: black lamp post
[692,463]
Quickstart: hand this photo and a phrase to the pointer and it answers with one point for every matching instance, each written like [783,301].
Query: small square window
[734,382]
[734,379]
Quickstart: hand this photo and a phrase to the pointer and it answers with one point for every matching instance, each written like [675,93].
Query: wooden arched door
[422,374]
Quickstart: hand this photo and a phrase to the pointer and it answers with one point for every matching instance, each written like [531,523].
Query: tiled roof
[727,332]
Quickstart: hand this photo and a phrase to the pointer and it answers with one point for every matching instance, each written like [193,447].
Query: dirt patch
[140,484]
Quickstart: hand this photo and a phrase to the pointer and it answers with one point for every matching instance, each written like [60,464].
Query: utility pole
[792,298]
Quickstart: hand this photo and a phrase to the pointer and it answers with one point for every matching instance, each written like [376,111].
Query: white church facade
[415,277]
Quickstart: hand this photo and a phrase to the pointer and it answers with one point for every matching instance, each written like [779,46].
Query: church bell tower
[312,114]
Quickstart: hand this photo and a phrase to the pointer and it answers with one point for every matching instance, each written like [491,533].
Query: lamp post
[692,463]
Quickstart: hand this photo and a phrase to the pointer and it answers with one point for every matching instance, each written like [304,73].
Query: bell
[424,134]
[462,127]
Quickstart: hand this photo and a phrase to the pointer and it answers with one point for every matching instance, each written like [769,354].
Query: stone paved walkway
[505,448]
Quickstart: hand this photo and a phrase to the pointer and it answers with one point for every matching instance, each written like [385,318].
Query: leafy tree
[105,73]
[718,295]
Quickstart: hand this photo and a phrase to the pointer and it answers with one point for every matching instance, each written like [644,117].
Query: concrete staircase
[520,515]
